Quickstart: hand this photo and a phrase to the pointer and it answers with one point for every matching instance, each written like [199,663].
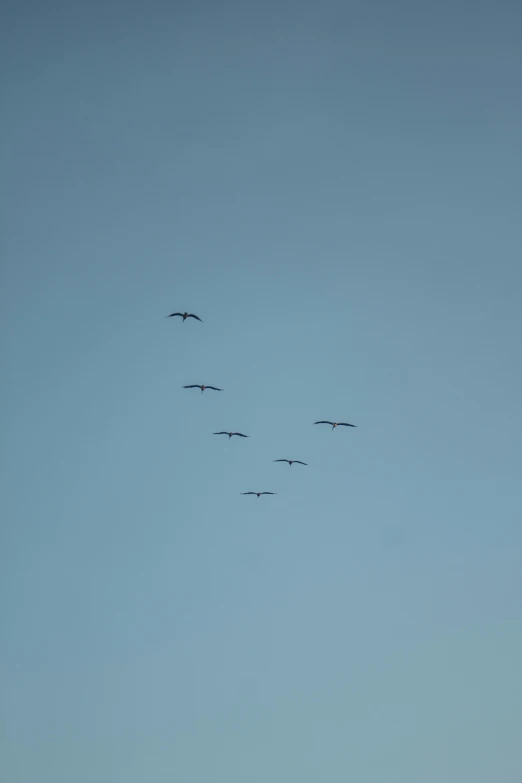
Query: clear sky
[335,189]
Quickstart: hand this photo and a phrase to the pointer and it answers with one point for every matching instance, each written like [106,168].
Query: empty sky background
[335,189]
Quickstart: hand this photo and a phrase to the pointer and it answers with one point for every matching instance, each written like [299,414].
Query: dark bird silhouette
[336,423]
[230,434]
[185,316]
[291,461]
[259,493]
[202,387]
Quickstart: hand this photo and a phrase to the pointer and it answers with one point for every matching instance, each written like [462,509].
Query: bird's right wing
[192,386]
[268,493]
[172,314]
[240,434]
[280,460]
[191,315]
[220,433]
[323,422]
[249,493]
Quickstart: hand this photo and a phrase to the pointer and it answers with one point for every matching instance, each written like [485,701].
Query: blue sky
[335,189]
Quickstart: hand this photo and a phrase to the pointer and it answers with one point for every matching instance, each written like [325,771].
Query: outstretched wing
[268,493]
[282,460]
[191,315]
[173,314]
[213,387]
[240,434]
[249,493]
[324,422]
[299,462]
[345,424]
[220,433]
[193,386]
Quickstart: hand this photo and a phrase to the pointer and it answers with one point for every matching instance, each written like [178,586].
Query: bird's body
[259,493]
[336,424]
[291,461]
[240,434]
[202,387]
[184,316]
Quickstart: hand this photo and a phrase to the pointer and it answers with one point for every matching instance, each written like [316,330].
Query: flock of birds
[202,388]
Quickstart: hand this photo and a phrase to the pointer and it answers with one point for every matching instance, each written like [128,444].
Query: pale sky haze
[335,188]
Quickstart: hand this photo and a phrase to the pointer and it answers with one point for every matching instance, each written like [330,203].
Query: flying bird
[230,434]
[202,387]
[291,461]
[185,316]
[336,423]
[259,493]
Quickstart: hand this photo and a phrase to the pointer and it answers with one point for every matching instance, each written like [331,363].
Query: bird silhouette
[259,493]
[202,387]
[291,461]
[185,316]
[336,423]
[230,434]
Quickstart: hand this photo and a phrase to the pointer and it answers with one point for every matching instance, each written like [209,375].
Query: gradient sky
[335,189]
